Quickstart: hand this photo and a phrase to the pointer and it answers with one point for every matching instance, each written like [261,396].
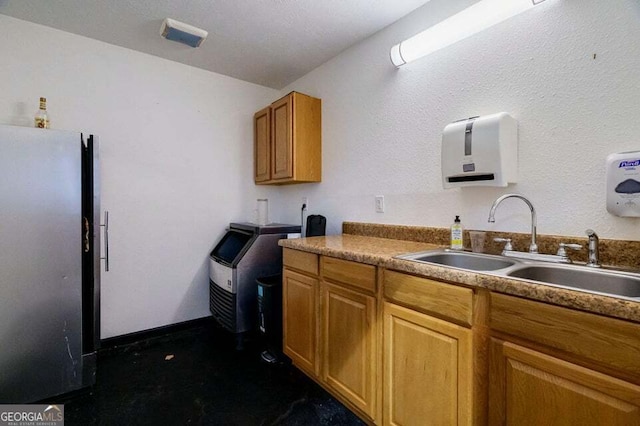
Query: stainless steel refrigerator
[49,263]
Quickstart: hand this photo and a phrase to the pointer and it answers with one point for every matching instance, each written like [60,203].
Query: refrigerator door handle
[106,241]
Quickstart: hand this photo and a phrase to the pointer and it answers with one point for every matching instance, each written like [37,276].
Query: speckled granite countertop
[381,252]
[371,250]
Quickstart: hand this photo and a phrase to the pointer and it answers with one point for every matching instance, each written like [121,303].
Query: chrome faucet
[594,241]
[533,247]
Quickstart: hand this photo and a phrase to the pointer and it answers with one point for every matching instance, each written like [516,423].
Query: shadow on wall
[195,302]
[21,116]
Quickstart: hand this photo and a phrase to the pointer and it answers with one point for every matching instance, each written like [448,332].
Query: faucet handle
[563,246]
[507,246]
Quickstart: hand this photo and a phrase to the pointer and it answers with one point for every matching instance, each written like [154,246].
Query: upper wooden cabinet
[288,141]
[262,138]
[282,142]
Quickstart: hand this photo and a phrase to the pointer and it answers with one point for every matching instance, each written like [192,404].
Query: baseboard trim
[137,336]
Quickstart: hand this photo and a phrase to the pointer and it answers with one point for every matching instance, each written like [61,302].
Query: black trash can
[270,316]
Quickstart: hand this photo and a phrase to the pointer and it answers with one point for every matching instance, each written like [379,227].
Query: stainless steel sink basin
[462,260]
[590,280]
[573,277]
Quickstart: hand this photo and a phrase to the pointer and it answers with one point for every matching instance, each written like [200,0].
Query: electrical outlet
[379,203]
[305,200]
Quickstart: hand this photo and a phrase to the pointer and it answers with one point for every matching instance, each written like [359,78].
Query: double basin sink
[611,283]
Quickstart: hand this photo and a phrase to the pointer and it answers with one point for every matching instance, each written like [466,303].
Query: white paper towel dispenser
[623,184]
[480,151]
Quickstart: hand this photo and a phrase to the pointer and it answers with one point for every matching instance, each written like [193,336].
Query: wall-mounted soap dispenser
[623,184]
[480,151]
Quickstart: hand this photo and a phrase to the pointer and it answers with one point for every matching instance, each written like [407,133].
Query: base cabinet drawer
[356,275]
[431,297]
[609,343]
[300,260]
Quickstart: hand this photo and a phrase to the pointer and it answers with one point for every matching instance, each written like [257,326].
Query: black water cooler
[270,316]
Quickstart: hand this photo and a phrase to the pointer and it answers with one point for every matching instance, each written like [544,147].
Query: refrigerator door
[40,263]
[91,259]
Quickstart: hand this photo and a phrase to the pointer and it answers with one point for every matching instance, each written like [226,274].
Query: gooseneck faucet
[594,241]
[533,247]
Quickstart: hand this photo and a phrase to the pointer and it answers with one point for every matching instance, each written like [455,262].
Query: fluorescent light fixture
[472,20]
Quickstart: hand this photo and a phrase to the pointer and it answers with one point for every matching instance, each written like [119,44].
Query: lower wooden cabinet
[531,388]
[350,341]
[300,313]
[433,360]
[428,370]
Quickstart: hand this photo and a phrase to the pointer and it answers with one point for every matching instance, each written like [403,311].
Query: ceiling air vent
[182,33]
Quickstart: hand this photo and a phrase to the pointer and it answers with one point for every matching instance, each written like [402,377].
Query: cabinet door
[262,147]
[282,138]
[531,388]
[300,311]
[427,370]
[349,346]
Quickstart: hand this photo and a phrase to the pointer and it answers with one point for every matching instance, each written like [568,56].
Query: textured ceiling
[268,42]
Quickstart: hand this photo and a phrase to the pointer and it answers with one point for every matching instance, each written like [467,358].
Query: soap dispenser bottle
[456,235]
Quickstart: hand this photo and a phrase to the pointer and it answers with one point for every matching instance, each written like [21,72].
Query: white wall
[177,154]
[382,127]
[176,142]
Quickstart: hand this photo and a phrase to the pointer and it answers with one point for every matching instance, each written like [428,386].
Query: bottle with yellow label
[42,117]
[456,235]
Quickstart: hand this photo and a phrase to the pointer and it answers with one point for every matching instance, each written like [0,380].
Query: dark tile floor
[207,382]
